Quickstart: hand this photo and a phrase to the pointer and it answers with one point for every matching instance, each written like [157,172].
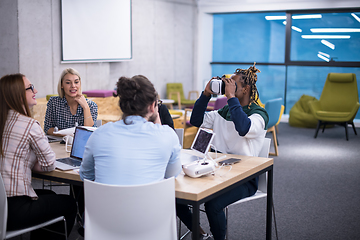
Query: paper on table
[71,131]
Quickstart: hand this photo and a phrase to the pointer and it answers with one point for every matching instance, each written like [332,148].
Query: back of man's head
[136,94]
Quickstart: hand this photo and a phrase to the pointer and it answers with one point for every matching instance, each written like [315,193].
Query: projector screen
[96,31]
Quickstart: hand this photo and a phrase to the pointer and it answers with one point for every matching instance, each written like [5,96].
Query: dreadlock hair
[250,78]
[136,94]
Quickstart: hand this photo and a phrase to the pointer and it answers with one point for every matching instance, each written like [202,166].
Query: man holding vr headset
[240,128]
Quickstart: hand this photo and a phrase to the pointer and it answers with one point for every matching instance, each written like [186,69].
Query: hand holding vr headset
[221,86]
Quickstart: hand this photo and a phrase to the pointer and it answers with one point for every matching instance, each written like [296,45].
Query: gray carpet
[316,189]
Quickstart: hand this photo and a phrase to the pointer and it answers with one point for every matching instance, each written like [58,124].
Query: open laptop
[81,137]
[199,147]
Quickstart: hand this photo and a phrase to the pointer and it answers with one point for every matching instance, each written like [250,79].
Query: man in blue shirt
[137,149]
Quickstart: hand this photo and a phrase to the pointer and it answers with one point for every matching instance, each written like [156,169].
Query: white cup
[68,142]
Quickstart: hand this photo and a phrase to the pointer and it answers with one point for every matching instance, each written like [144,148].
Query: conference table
[194,191]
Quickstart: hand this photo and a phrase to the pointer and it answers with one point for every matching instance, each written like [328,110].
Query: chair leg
[353,126]
[346,131]
[324,127]
[277,131]
[272,129]
[226,216]
[317,128]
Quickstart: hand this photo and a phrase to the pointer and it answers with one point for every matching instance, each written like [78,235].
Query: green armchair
[338,103]
[300,114]
[175,92]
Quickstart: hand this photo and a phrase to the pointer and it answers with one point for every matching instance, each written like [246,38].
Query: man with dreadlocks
[240,128]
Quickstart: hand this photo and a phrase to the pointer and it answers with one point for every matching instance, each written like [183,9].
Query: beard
[152,118]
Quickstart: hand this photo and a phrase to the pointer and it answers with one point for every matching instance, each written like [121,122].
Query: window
[326,37]
[248,37]
[292,63]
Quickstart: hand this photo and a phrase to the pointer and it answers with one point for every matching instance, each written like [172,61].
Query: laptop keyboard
[70,161]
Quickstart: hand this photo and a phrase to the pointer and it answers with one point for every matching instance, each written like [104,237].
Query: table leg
[196,222]
[269,205]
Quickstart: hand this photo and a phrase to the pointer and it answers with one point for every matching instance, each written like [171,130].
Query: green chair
[300,114]
[338,103]
[50,95]
[175,92]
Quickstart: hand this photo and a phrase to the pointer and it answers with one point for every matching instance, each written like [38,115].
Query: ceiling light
[323,57]
[356,17]
[328,44]
[325,36]
[284,22]
[309,16]
[334,30]
[275,17]
[324,54]
[296,29]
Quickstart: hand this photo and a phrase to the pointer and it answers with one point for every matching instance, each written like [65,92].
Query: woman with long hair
[24,148]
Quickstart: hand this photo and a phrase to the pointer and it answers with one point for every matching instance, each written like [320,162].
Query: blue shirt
[138,153]
[58,114]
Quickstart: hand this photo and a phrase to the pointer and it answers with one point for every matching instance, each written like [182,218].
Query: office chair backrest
[3,209]
[220,103]
[175,87]
[340,92]
[273,108]
[130,212]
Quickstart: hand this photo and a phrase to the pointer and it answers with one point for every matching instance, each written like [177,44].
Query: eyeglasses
[32,87]
[159,102]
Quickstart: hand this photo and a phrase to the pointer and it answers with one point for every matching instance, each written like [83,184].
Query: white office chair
[4,215]
[130,212]
[262,184]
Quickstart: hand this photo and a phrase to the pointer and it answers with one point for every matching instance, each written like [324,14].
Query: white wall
[163,45]
[9,59]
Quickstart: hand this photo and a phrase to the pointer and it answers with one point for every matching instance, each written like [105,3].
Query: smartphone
[229,161]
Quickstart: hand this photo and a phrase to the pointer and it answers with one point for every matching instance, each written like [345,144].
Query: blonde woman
[70,108]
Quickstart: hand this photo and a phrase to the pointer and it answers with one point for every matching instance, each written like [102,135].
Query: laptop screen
[81,137]
[203,140]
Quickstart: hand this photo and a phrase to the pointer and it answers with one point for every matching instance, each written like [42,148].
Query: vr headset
[217,86]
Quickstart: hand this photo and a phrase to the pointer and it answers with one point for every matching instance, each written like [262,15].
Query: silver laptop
[199,147]
[81,137]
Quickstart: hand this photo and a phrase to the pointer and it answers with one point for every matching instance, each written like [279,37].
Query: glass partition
[248,37]
[326,37]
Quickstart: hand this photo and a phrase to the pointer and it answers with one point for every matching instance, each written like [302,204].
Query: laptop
[81,137]
[200,146]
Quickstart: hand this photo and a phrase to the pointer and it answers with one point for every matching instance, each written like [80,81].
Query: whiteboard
[96,31]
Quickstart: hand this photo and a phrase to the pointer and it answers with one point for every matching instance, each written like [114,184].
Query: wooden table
[195,191]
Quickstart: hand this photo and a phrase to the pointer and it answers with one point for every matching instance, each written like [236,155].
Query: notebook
[81,137]
[199,147]
[52,138]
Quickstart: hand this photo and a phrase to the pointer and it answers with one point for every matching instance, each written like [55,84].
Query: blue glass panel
[248,37]
[271,79]
[310,81]
[325,48]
